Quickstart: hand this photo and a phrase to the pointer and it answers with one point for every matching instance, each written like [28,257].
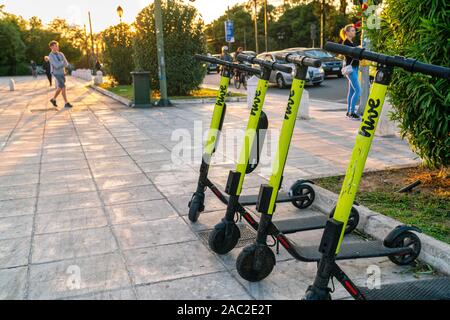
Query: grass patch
[427,206]
[126,91]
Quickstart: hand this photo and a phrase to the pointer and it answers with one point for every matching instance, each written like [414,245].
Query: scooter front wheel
[306,192]
[352,222]
[196,205]
[255,262]
[224,237]
[406,239]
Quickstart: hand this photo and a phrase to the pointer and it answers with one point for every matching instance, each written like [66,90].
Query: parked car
[315,76]
[331,64]
[212,67]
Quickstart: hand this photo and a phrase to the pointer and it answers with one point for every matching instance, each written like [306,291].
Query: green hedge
[419,29]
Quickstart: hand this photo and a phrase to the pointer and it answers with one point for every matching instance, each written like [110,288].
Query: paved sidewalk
[92,207]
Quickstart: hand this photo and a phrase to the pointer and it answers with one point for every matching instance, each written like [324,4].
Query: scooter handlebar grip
[299,60]
[411,65]
[343,49]
[431,69]
[264,63]
[227,64]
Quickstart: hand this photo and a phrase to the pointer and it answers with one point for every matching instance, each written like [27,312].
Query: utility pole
[265,26]
[164,100]
[92,38]
[86,46]
[322,23]
[256,26]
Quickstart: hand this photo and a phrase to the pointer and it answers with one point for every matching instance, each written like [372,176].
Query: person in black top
[47,68]
[347,34]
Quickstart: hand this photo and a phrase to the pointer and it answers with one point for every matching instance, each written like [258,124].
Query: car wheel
[317,84]
[281,84]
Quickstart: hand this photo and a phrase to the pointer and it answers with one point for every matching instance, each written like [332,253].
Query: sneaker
[347,115]
[68,105]
[355,117]
[53,101]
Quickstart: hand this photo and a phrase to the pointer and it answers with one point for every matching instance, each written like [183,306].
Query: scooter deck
[353,250]
[289,226]
[251,200]
[432,289]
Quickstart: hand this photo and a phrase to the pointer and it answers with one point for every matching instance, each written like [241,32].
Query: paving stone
[18,180]
[16,226]
[118,182]
[59,279]
[68,176]
[72,244]
[66,187]
[140,211]
[18,192]
[13,283]
[70,220]
[180,260]
[129,195]
[60,203]
[10,208]
[153,233]
[205,287]
[14,252]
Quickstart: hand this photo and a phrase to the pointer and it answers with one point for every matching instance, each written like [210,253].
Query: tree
[118,54]
[419,29]
[183,37]
[13,48]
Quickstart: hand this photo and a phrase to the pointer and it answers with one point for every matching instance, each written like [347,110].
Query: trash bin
[141,89]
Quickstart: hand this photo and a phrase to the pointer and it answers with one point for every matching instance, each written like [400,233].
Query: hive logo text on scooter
[256,103]
[290,105]
[222,94]
[368,126]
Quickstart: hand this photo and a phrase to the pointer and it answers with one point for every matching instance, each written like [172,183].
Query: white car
[315,76]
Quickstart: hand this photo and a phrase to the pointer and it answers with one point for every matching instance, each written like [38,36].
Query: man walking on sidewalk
[58,63]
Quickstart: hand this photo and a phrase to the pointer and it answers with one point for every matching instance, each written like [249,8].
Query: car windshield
[318,54]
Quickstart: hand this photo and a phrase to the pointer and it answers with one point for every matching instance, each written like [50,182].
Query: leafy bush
[118,55]
[183,37]
[419,29]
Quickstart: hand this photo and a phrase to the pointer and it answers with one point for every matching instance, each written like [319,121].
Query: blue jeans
[354,90]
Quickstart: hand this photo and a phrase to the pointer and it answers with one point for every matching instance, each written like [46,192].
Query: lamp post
[120,13]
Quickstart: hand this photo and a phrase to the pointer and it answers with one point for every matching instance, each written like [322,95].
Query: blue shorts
[60,80]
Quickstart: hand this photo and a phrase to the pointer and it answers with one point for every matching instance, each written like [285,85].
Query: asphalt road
[332,89]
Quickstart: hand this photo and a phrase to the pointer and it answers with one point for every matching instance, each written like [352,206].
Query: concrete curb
[128,102]
[434,252]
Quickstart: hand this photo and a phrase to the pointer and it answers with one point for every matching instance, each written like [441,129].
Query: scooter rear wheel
[301,189]
[245,262]
[406,239]
[224,237]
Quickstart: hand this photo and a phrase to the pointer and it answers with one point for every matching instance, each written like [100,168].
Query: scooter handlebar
[264,63]
[408,64]
[227,64]
[299,59]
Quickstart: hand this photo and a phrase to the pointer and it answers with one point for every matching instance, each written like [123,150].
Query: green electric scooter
[401,238]
[300,194]
[226,234]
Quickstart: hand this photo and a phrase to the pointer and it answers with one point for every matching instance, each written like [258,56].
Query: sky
[103,12]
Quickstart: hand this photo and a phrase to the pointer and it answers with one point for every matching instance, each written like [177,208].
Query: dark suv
[330,63]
